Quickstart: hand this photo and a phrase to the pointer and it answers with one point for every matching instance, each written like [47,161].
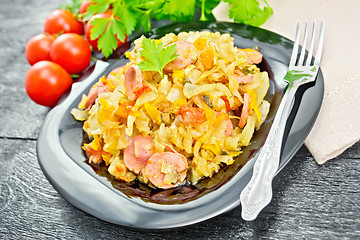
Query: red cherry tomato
[38,48]
[62,21]
[72,52]
[88,27]
[45,82]
[84,5]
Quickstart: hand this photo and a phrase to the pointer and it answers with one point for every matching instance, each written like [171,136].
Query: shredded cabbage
[207,85]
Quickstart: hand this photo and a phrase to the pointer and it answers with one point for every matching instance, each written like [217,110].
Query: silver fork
[258,192]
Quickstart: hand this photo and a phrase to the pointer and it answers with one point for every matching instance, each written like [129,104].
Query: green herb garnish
[249,11]
[294,75]
[156,56]
[130,15]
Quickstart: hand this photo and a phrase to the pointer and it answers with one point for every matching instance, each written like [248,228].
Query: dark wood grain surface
[310,201]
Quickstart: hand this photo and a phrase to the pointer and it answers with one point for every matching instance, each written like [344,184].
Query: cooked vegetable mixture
[175,115]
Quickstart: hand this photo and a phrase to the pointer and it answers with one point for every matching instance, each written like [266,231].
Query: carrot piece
[200,43]
[192,114]
[210,114]
[123,110]
[253,103]
[138,90]
[207,58]
[153,112]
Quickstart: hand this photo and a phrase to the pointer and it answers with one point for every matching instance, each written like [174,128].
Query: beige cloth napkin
[338,124]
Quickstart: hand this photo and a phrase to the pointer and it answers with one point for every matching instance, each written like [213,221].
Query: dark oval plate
[62,161]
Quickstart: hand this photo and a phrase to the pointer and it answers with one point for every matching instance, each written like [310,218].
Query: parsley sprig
[156,56]
[108,30]
[130,15]
[249,11]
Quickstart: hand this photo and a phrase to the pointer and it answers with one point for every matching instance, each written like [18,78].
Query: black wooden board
[310,201]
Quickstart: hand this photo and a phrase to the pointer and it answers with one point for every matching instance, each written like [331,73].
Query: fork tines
[294,61]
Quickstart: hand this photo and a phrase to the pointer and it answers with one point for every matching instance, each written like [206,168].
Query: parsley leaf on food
[156,56]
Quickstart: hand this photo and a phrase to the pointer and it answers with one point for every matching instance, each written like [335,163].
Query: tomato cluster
[61,51]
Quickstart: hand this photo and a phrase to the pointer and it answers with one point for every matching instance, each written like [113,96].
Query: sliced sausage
[164,166]
[138,152]
[245,111]
[229,125]
[229,128]
[187,55]
[134,82]
[94,93]
[242,78]
[253,57]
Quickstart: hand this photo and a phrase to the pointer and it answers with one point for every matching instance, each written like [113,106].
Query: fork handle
[258,192]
